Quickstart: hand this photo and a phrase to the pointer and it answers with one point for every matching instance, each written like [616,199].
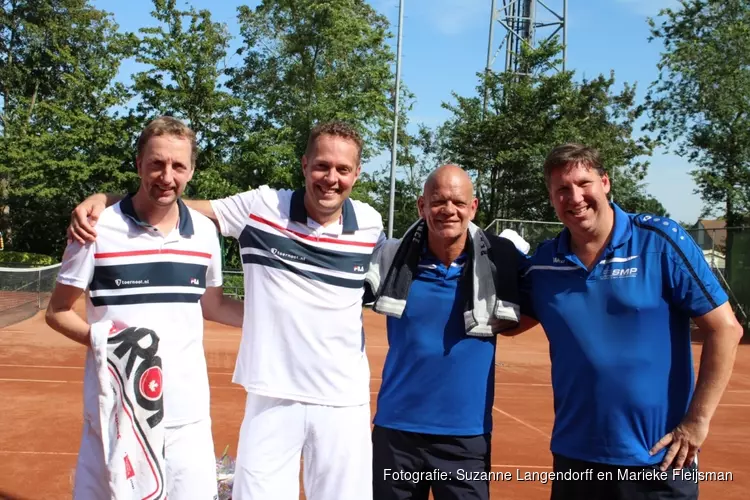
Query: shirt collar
[427,257]
[622,232]
[185,224]
[298,212]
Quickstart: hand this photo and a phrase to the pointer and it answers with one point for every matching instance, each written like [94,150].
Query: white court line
[18,452]
[520,421]
[72,454]
[58,367]
[52,367]
[41,381]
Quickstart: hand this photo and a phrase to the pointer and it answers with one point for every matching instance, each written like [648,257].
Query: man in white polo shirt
[156,264]
[302,356]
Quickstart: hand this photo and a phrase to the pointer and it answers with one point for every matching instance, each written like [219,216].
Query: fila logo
[359,269]
[558,260]
[194,281]
[620,273]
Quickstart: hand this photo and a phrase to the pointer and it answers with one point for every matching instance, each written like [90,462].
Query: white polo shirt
[138,276]
[302,336]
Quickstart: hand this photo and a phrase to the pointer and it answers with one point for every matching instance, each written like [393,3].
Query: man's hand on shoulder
[86,214]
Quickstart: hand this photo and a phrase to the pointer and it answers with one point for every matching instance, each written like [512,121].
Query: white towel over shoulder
[131,409]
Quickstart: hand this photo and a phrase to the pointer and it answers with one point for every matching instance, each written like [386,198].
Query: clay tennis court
[41,376]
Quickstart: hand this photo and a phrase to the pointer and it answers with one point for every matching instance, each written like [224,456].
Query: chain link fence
[727,251]
[534,232]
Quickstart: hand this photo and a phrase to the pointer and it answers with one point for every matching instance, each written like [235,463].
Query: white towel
[130,410]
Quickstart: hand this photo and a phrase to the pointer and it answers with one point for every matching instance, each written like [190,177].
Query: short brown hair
[572,154]
[338,129]
[168,125]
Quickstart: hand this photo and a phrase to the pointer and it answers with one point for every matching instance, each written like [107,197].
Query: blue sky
[445,45]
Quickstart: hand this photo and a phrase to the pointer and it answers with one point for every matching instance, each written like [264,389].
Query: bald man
[434,413]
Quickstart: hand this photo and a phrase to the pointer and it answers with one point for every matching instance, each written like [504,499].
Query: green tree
[526,116]
[184,58]
[700,103]
[59,140]
[306,61]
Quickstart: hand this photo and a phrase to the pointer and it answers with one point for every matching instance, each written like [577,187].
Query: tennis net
[24,291]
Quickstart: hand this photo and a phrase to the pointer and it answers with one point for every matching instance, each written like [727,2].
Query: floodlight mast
[522,21]
[394,145]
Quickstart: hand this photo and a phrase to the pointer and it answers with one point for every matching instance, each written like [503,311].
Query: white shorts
[190,464]
[334,443]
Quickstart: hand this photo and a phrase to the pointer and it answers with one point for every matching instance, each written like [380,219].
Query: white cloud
[649,8]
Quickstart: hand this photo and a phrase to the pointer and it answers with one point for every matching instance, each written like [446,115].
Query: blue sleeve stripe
[685,260]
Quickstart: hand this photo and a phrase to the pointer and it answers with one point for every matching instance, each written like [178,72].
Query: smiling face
[331,167]
[579,195]
[164,166]
[448,203]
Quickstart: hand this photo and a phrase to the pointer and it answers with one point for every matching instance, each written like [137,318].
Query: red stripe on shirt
[133,253]
[310,237]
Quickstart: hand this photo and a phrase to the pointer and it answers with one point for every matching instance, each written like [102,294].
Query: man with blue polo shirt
[615,294]
[434,414]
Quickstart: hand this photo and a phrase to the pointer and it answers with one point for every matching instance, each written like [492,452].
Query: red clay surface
[41,376]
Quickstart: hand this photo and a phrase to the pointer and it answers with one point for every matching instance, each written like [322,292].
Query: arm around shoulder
[203,207]
[230,214]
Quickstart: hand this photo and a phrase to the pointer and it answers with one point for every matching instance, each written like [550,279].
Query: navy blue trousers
[611,482]
[407,465]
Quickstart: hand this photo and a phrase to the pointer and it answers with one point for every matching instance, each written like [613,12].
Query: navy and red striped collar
[298,212]
[185,222]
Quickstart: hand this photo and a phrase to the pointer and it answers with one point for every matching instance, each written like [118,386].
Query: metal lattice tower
[523,21]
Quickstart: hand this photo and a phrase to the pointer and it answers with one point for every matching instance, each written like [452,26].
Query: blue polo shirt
[619,336]
[436,379]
